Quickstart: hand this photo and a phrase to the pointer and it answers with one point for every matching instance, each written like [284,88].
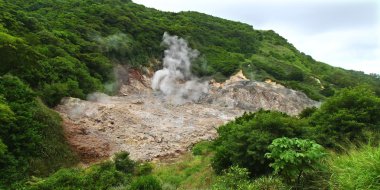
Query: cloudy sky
[344,33]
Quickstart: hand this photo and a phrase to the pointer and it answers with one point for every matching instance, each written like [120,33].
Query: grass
[190,171]
[358,169]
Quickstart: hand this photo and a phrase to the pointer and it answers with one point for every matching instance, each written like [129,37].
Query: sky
[343,33]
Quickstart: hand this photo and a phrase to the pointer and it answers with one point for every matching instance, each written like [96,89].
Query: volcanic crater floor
[149,127]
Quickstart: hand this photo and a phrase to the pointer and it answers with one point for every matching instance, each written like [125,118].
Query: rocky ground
[141,122]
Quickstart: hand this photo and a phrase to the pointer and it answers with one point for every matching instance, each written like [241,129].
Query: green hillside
[50,49]
[63,48]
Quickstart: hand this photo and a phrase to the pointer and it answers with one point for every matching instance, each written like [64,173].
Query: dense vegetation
[31,139]
[68,48]
[245,141]
[347,118]
[50,49]
[122,173]
[358,169]
[264,142]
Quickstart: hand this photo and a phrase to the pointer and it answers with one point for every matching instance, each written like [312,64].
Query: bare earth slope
[141,122]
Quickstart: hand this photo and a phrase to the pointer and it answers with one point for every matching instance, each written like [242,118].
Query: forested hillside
[51,49]
[67,48]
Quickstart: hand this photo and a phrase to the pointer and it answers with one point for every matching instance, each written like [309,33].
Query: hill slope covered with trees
[63,48]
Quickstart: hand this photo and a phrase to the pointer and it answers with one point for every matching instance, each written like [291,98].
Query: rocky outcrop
[141,122]
[252,96]
[143,125]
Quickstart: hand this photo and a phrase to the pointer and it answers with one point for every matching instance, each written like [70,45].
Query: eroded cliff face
[143,123]
[252,96]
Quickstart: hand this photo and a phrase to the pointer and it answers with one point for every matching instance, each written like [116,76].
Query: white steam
[175,80]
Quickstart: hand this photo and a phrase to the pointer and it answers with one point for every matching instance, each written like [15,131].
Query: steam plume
[175,80]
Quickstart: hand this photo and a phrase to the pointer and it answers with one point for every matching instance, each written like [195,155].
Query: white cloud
[342,33]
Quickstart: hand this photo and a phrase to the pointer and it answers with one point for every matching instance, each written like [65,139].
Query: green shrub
[99,176]
[296,75]
[104,176]
[345,117]
[327,91]
[146,183]
[144,169]
[53,93]
[65,178]
[233,178]
[307,112]
[268,183]
[245,141]
[123,163]
[238,178]
[293,158]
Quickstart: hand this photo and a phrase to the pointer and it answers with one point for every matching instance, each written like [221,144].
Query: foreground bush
[268,183]
[346,117]
[359,169]
[144,169]
[123,163]
[116,174]
[234,178]
[238,179]
[294,158]
[101,176]
[245,141]
[146,183]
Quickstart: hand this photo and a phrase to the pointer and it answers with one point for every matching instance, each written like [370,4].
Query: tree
[292,158]
[346,117]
